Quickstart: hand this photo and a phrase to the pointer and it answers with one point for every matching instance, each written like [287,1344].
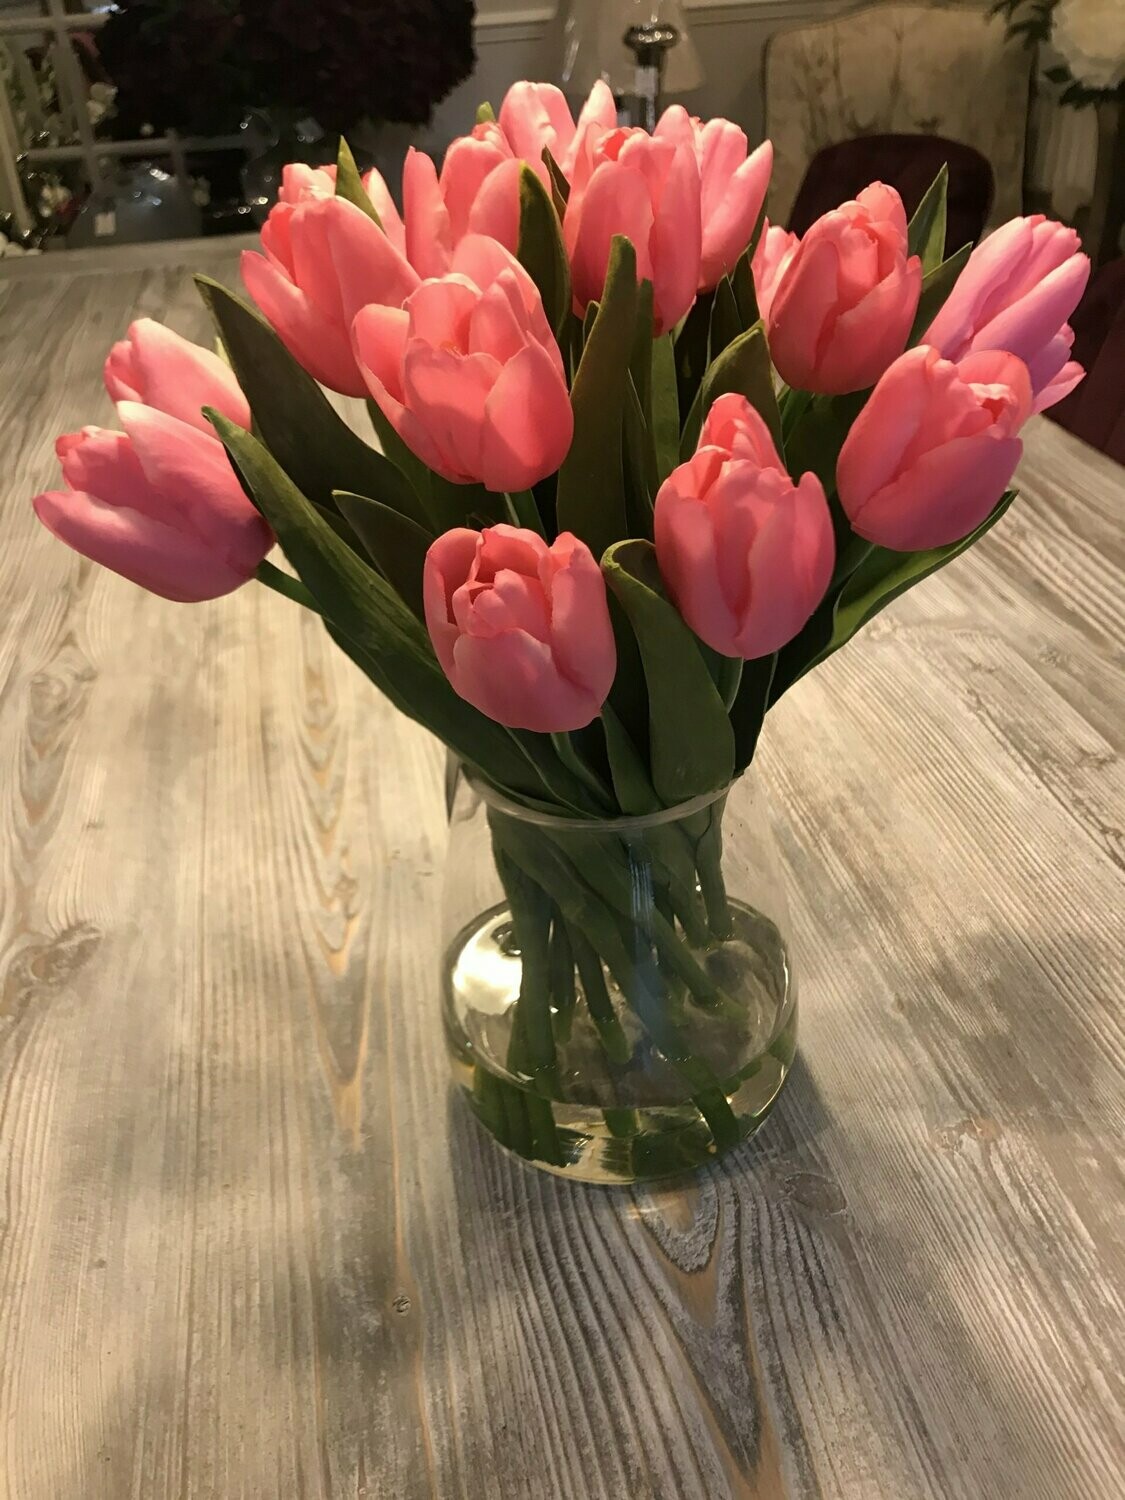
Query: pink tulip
[535,117]
[158,503]
[324,260]
[733,186]
[300,183]
[844,307]
[745,554]
[157,367]
[1016,293]
[775,249]
[933,449]
[521,629]
[478,192]
[628,182]
[469,374]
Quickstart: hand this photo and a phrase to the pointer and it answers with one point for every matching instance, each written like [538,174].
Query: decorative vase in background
[618,996]
[593,46]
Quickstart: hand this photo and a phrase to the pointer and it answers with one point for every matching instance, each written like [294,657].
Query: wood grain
[249,1245]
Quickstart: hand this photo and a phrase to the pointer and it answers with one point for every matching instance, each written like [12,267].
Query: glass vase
[618,997]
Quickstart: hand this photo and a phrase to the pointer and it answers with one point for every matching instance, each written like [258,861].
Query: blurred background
[170,119]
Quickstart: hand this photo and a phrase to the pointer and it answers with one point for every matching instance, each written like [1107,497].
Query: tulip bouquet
[643,460]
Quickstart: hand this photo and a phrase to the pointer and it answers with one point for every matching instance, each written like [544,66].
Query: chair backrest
[898,70]
[909,163]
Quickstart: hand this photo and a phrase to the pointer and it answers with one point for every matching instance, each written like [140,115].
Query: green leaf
[726,322]
[926,234]
[441,505]
[745,292]
[743,367]
[691,341]
[315,447]
[523,511]
[884,575]
[349,184]
[632,785]
[639,468]
[665,407]
[369,620]
[936,288]
[541,250]
[875,583]
[640,363]
[591,500]
[396,544]
[560,187]
[692,744]
[749,709]
[485,113]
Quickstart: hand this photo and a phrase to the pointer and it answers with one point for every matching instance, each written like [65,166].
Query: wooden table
[248,1245]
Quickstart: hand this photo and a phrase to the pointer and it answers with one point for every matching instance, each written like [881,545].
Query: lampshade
[593,45]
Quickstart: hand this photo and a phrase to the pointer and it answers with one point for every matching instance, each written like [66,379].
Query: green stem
[568,754]
[794,405]
[523,511]
[730,676]
[285,583]
[562,980]
[598,1003]
[587,914]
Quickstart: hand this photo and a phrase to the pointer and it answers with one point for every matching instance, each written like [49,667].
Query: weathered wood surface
[248,1247]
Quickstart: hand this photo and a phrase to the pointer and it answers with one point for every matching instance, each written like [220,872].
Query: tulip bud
[324,260]
[775,249]
[745,554]
[933,449]
[521,629]
[469,374]
[628,182]
[845,304]
[158,368]
[159,504]
[536,117]
[732,186]
[1017,291]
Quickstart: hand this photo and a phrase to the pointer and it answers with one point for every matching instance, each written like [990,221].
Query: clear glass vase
[618,997]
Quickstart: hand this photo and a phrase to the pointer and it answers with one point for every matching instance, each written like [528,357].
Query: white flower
[1090,35]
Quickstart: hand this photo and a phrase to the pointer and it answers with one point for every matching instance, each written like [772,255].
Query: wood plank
[249,1244]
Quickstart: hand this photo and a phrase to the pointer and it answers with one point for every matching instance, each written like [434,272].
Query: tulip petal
[870,336]
[163,560]
[446,392]
[103,463]
[323,349]
[946,494]
[581,634]
[513,679]
[429,238]
[617,201]
[1071,375]
[356,257]
[496,209]
[385,206]
[158,367]
[379,342]
[198,489]
[529,423]
[676,243]
[1023,327]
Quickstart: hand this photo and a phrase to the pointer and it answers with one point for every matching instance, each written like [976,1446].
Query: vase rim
[616,823]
